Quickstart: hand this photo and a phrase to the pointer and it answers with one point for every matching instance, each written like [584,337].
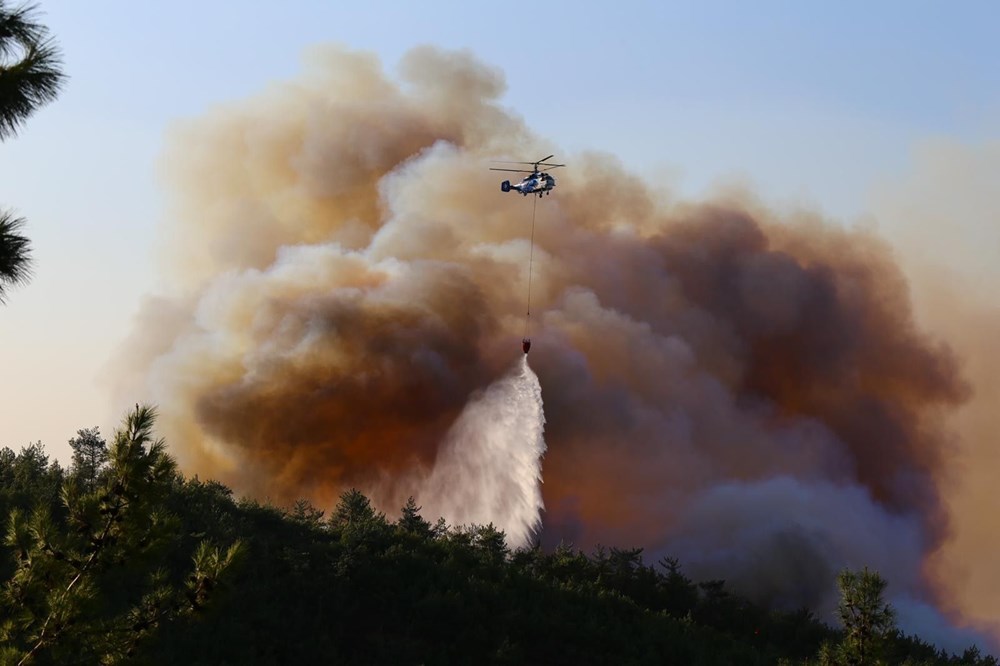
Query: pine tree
[15,253]
[411,520]
[866,617]
[304,512]
[354,509]
[30,77]
[490,541]
[90,453]
[65,598]
[29,66]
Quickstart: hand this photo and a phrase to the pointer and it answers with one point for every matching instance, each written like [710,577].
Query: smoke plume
[942,217]
[744,389]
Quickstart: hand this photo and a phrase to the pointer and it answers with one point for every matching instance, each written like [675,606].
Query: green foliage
[27,479]
[90,454]
[354,588]
[304,512]
[869,633]
[866,617]
[354,511]
[15,253]
[30,75]
[86,584]
[411,521]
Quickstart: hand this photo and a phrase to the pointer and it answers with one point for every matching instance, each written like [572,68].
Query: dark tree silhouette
[87,583]
[411,521]
[15,254]
[125,574]
[30,75]
[90,453]
[353,509]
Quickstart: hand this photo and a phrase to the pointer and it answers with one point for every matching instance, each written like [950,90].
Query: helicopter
[538,182]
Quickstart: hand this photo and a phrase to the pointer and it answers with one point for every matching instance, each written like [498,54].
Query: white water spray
[490,467]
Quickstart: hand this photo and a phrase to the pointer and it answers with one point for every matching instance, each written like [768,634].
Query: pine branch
[15,253]
[30,75]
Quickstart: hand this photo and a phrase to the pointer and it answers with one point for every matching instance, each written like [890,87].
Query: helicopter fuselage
[536,183]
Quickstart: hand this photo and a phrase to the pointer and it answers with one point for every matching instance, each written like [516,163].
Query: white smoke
[490,466]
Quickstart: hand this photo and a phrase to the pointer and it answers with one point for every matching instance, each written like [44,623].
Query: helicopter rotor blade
[537,166]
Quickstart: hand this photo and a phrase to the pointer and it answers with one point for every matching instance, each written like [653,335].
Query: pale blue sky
[813,102]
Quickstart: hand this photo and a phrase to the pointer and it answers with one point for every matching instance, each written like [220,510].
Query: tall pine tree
[90,454]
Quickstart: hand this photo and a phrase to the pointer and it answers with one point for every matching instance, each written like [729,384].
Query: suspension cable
[531,258]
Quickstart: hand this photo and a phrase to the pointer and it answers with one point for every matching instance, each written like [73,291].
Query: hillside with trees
[121,559]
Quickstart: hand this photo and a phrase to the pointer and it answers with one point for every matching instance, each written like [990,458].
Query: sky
[812,105]
[874,114]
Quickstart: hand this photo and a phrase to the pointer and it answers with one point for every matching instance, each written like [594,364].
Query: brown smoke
[349,273]
[943,216]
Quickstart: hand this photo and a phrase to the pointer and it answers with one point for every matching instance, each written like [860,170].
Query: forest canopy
[120,558]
